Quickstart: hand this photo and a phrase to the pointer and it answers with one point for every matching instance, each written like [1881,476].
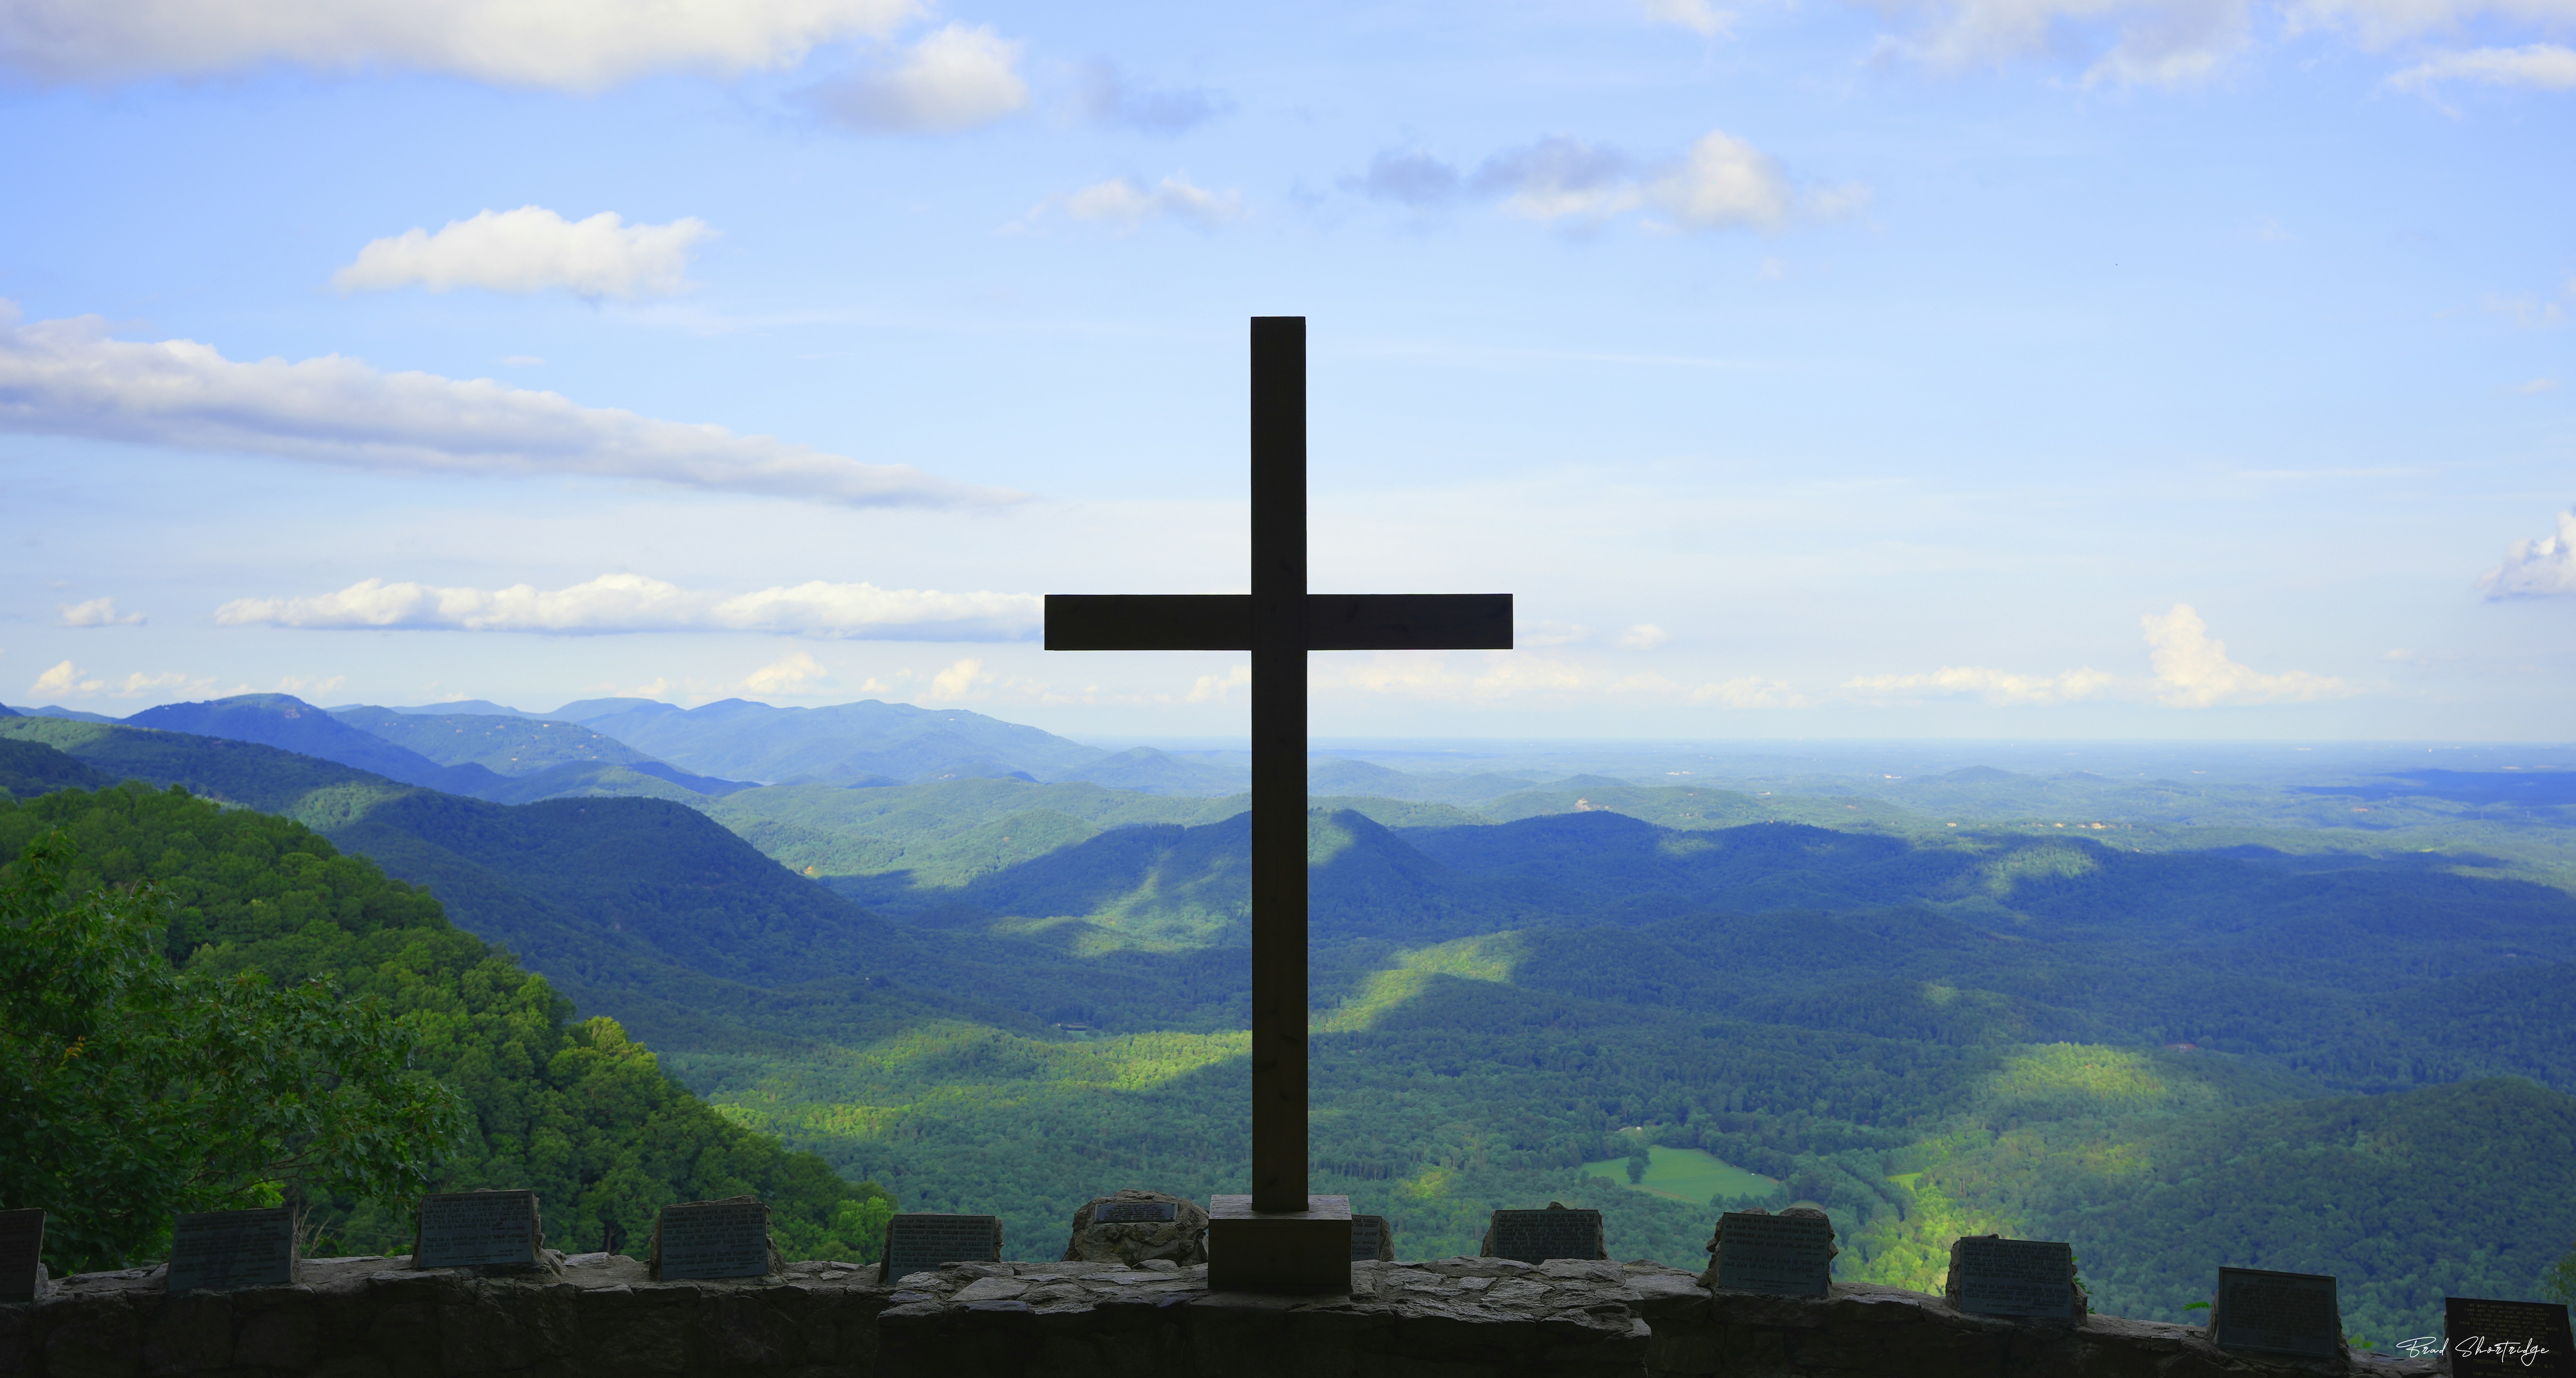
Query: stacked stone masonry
[598,1314]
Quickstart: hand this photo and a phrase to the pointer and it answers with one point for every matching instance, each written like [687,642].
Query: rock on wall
[598,1314]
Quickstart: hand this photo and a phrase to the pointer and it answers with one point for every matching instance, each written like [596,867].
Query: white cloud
[1698,16]
[958,681]
[2538,568]
[1212,688]
[577,45]
[529,250]
[2193,670]
[1720,182]
[2174,42]
[66,377]
[1532,635]
[616,603]
[1751,691]
[955,79]
[2149,42]
[2544,66]
[2000,687]
[2534,387]
[1645,636]
[1724,182]
[62,680]
[297,684]
[1124,204]
[787,676]
[2378,23]
[97,612]
[138,684]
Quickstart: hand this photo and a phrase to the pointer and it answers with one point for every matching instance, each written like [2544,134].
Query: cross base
[1279,1251]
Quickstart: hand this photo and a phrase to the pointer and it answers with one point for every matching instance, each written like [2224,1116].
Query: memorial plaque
[1784,1255]
[712,1239]
[2276,1313]
[1370,1235]
[1537,1236]
[22,1252]
[2525,1337]
[469,1229]
[216,1251]
[1991,1276]
[920,1243]
[1134,1212]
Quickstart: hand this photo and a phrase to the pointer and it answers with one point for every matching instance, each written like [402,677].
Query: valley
[2175,1020]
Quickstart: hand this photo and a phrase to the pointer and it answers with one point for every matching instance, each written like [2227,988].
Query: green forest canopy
[574,1110]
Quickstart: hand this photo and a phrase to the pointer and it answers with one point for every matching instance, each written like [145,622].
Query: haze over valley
[2297,1005]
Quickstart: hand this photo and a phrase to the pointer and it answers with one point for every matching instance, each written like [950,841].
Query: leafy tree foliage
[573,1109]
[129,1091]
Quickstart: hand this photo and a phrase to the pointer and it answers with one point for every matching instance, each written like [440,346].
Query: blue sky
[2001,368]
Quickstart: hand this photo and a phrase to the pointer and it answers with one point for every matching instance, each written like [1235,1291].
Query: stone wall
[598,1314]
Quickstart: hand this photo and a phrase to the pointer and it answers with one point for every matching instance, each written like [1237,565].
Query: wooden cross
[1279,622]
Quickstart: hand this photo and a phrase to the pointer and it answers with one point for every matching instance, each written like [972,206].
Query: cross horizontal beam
[1334,622]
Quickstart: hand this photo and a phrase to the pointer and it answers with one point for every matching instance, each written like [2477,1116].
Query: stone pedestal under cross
[1279,1238]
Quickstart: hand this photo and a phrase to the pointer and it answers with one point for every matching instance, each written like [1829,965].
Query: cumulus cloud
[2000,687]
[2542,66]
[97,612]
[787,676]
[1104,96]
[955,79]
[2542,567]
[1218,688]
[530,250]
[1125,205]
[575,45]
[1720,182]
[61,681]
[2193,671]
[67,377]
[615,603]
[958,681]
[68,681]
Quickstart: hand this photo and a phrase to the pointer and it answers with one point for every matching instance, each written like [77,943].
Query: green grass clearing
[1685,1174]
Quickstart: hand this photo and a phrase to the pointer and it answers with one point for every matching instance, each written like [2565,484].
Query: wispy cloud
[2192,670]
[1999,687]
[1125,205]
[619,603]
[67,377]
[532,249]
[956,78]
[2542,567]
[2539,66]
[574,45]
[97,612]
[66,681]
[1698,16]
[1105,96]
[1720,182]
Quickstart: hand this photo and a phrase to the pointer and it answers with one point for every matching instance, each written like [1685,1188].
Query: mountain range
[995,993]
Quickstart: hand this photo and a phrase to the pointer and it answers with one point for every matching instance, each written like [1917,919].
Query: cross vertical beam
[1279,1239]
[1279,643]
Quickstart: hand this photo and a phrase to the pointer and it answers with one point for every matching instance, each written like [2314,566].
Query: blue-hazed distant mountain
[480,707]
[741,740]
[282,720]
[55,710]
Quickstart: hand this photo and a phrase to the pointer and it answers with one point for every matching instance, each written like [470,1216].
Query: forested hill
[574,1110]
